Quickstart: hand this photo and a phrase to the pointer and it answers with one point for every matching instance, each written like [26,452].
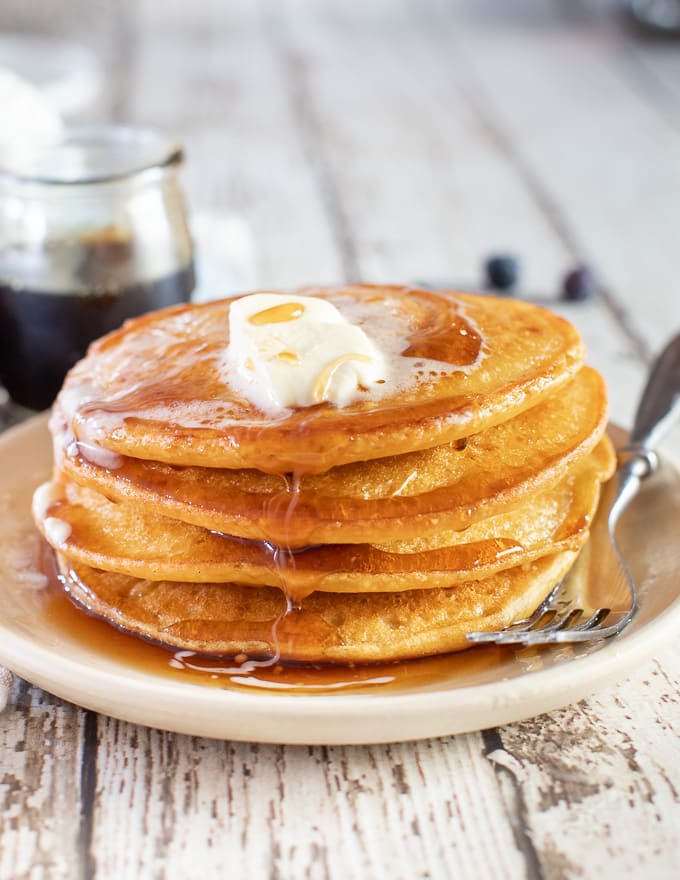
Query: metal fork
[561,617]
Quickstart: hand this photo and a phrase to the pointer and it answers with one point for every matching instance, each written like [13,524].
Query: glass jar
[93,231]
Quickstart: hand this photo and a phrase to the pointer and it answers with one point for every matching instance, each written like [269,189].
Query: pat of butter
[295,351]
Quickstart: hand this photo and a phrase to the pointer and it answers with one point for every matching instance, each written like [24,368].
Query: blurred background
[401,140]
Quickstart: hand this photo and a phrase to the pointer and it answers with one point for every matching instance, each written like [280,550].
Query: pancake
[157,389]
[123,538]
[388,499]
[230,619]
[449,492]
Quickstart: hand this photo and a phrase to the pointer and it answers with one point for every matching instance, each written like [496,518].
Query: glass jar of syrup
[92,231]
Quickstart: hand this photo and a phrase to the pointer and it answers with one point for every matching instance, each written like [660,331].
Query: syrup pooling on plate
[242,673]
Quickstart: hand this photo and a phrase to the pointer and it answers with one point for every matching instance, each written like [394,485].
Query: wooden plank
[220,92]
[410,159]
[423,810]
[42,747]
[598,782]
[597,149]
[652,61]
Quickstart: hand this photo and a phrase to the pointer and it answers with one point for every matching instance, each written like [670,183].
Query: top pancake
[156,389]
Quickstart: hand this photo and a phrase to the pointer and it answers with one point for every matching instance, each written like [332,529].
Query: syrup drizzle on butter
[324,379]
[289,311]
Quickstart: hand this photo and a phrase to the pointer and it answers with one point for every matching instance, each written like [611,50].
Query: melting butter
[45,496]
[57,531]
[296,351]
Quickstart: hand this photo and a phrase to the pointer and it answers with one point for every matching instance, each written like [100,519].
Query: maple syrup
[258,674]
[282,314]
[92,231]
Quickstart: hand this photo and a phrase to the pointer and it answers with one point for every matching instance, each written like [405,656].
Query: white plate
[477,689]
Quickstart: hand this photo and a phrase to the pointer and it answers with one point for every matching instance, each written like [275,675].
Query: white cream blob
[57,531]
[295,351]
[95,454]
[44,497]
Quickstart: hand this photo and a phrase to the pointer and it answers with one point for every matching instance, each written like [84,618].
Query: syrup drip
[282,314]
[244,665]
[447,336]
[282,553]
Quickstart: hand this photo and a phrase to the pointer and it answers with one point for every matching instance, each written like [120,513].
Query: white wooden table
[387,141]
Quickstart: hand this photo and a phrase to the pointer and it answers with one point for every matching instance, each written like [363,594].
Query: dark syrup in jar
[44,333]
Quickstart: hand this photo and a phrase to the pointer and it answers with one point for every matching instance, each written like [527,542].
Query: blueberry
[579,284]
[502,271]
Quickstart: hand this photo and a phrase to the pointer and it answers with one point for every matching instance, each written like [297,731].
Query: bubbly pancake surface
[451,499]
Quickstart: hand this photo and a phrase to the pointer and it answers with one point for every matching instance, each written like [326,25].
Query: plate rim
[487,704]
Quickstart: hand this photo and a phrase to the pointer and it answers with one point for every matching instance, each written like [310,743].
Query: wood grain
[392,141]
[623,172]
[300,812]
[42,747]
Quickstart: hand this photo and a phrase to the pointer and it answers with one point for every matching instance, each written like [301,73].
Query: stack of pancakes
[451,502]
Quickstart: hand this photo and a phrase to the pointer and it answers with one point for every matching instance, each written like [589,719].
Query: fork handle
[660,402]
[657,410]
